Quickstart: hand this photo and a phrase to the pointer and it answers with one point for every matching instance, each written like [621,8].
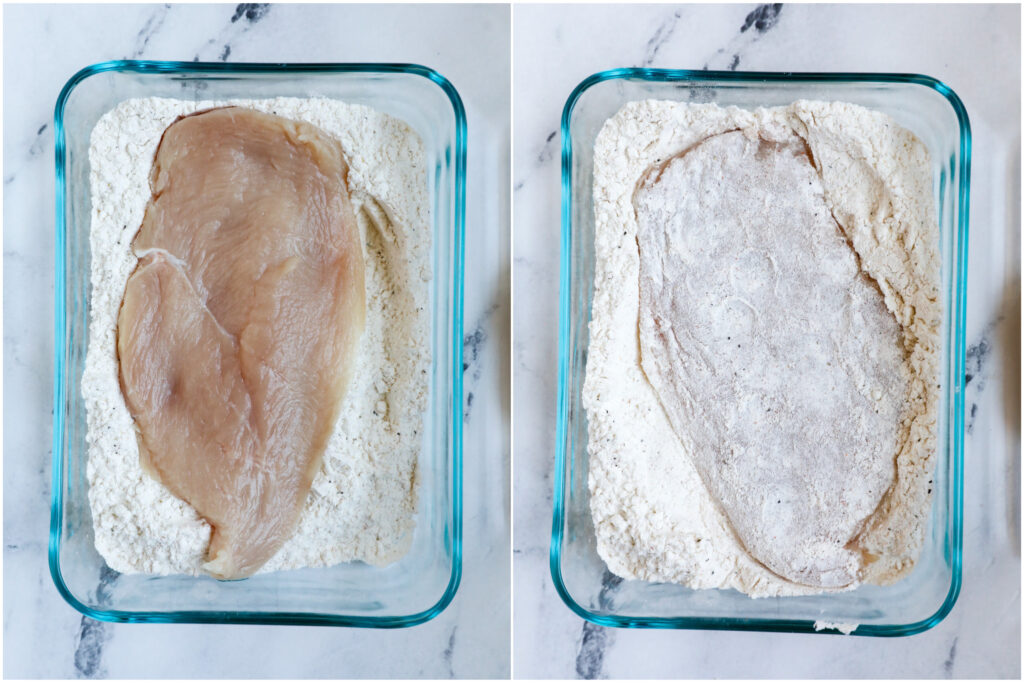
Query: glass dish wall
[932,112]
[410,591]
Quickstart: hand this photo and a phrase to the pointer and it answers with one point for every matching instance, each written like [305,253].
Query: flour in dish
[362,502]
[762,378]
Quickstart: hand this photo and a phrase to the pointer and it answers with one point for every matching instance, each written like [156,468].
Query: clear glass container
[935,114]
[407,592]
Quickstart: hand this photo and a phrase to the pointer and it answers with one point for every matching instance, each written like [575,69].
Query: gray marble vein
[590,657]
[594,639]
[245,17]
[977,361]
[251,11]
[947,665]
[660,37]
[762,20]
[545,153]
[93,635]
[449,651]
[41,142]
[474,346]
[153,24]
[89,653]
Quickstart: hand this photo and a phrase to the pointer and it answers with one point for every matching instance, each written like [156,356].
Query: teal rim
[958,321]
[60,329]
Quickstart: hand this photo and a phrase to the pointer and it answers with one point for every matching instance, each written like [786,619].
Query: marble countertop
[43,47]
[976,51]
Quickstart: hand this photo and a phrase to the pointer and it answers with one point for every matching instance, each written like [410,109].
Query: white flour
[362,502]
[845,629]
[654,518]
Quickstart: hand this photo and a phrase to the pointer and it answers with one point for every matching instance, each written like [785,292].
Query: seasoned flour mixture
[362,502]
[762,379]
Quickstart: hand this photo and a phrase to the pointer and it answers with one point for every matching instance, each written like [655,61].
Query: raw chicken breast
[238,328]
[753,309]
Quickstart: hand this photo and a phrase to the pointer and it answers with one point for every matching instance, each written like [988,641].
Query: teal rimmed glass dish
[933,112]
[410,591]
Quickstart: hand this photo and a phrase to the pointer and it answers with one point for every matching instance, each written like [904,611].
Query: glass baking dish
[408,592]
[935,114]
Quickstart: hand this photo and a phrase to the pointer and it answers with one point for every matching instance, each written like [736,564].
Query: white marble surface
[976,50]
[43,47]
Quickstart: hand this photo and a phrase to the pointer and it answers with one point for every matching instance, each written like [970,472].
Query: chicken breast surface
[239,326]
[754,314]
